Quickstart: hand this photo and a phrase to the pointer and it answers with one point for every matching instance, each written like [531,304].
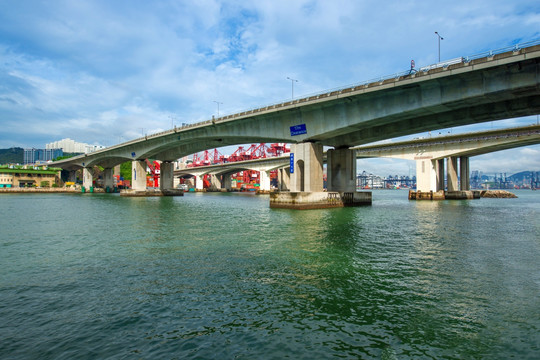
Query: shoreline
[45,190]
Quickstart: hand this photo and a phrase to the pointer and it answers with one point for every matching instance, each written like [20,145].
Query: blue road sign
[298,129]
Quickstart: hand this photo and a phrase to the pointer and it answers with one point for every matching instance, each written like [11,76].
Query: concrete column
[439,169]
[215,181]
[307,173]
[264,180]
[199,182]
[452,174]
[108,180]
[166,176]
[227,182]
[426,175]
[284,179]
[138,175]
[464,173]
[341,170]
[88,177]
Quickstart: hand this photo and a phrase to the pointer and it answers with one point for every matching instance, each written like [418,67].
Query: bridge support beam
[439,169]
[215,182]
[452,174]
[264,181]
[341,170]
[307,181]
[427,189]
[166,176]
[199,185]
[428,176]
[464,173]
[138,175]
[138,181]
[307,173]
[108,180]
[429,179]
[88,177]
[284,179]
[227,182]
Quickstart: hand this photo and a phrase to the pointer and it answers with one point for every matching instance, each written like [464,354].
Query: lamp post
[217,102]
[292,86]
[440,38]
[172,120]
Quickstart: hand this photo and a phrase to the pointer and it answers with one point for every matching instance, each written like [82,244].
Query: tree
[125,170]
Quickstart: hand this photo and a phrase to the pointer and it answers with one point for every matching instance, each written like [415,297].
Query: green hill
[14,155]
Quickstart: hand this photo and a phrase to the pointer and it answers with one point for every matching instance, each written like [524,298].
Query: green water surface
[223,276]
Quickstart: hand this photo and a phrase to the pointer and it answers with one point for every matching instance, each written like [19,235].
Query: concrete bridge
[498,85]
[430,155]
[221,173]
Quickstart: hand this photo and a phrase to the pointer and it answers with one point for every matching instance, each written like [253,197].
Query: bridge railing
[514,48]
[462,138]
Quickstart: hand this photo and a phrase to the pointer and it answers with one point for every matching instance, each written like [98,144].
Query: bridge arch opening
[300,174]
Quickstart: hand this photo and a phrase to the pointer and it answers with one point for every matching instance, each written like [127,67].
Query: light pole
[292,86]
[172,120]
[440,38]
[217,102]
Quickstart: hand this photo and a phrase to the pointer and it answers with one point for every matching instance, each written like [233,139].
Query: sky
[104,72]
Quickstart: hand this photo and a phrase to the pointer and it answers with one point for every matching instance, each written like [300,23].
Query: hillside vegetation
[13,155]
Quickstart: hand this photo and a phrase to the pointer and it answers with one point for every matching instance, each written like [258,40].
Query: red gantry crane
[247,177]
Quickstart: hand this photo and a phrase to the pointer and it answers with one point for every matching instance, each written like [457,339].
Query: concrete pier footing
[444,195]
[318,200]
[152,192]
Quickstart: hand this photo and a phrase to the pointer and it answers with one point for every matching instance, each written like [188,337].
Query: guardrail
[465,138]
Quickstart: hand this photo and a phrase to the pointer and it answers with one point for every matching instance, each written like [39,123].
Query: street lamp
[172,120]
[217,102]
[440,38]
[292,86]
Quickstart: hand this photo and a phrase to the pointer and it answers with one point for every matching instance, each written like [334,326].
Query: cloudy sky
[104,72]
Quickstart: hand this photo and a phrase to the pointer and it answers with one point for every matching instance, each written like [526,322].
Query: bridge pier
[307,170]
[306,176]
[452,174]
[341,170]
[284,179]
[264,183]
[199,185]
[226,184]
[138,175]
[430,179]
[215,182]
[464,173]
[166,176]
[108,180]
[88,177]
[138,181]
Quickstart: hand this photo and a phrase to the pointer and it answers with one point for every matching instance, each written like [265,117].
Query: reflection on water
[224,276]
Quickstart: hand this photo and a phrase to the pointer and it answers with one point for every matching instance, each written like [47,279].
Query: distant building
[25,176]
[34,156]
[71,146]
